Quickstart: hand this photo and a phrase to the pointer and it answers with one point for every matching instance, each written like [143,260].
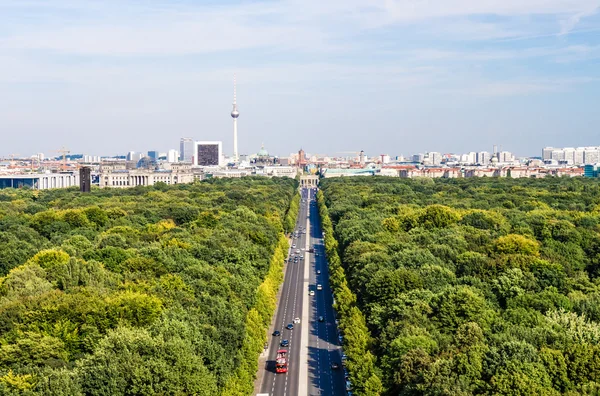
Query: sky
[105,77]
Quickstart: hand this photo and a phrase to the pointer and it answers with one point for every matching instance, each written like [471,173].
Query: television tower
[235,114]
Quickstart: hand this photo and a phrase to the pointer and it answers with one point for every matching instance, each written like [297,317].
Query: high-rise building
[569,155]
[558,155]
[505,156]
[483,158]
[172,155]
[591,155]
[578,156]
[208,153]
[435,158]
[153,154]
[418,158]
[235,114]
[130,156]
[547,153]
[85,179]
[186,150]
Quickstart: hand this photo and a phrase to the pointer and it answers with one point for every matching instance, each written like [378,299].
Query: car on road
[344,357]
[301,257]
[297,251]
[348,386]
[290,326]
[294,246]
[296,320]
[319,287]
[285,343]
[321,319]
[318,272]
[316,254]
[335,366]
[311,293]
[341,339]
[276,333]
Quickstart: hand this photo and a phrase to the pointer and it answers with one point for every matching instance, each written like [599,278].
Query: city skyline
[357,75]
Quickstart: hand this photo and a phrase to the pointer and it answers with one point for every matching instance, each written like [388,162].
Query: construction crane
[12,160]
[64,153]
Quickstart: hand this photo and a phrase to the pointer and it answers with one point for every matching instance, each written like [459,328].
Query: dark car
[285,343]
[276,333]
[290,326]
[321,319]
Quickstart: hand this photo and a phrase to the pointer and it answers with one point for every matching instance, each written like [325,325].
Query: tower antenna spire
[234,89]
[235,114]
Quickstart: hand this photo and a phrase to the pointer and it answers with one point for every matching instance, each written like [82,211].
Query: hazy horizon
[386,77]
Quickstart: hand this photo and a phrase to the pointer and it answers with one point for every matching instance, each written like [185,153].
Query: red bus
[281,363]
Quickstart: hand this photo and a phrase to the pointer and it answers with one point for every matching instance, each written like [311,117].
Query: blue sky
[384,76]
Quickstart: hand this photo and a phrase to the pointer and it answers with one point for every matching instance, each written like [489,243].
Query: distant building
[434,157]
[590,170]
[85,179]
[120,178]
[570,155]
[591,155]
[172,156]
[208,153]
[40,181]
[186,149]
[547,153]
[154,155]
[483,158]
[418,158]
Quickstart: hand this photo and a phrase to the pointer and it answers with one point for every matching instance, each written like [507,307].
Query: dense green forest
[468,286]
[149,290]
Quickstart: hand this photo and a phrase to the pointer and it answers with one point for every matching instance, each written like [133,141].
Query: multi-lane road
[313,344]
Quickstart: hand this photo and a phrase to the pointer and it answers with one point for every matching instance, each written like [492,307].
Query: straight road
[323,346]
[313,344]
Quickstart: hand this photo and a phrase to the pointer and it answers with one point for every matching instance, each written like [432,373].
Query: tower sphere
[235,113]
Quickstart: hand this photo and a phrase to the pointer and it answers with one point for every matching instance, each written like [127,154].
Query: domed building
[147,163]
[263,157]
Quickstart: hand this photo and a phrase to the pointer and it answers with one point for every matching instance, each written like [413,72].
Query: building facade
[208,153]
[40,181]
[186,149]
[139,177]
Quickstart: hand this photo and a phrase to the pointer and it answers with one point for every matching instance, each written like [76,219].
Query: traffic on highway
[304,351]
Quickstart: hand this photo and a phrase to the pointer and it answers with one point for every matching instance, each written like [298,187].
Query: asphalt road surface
[313,345]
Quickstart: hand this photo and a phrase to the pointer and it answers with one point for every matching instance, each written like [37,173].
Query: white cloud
[164,28]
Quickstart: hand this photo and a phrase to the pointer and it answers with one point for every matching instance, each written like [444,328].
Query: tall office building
[208,153]
[186,149]
[547,153]
[85,179]
[578,156]
[435,158]
[153,154]
[172,156]
[591,155]
[483,158]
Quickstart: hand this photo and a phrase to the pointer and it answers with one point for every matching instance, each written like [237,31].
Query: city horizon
[115,76]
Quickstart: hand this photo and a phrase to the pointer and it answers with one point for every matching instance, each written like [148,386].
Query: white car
[294,246]
[296,320]
[319,287]
[311,293]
